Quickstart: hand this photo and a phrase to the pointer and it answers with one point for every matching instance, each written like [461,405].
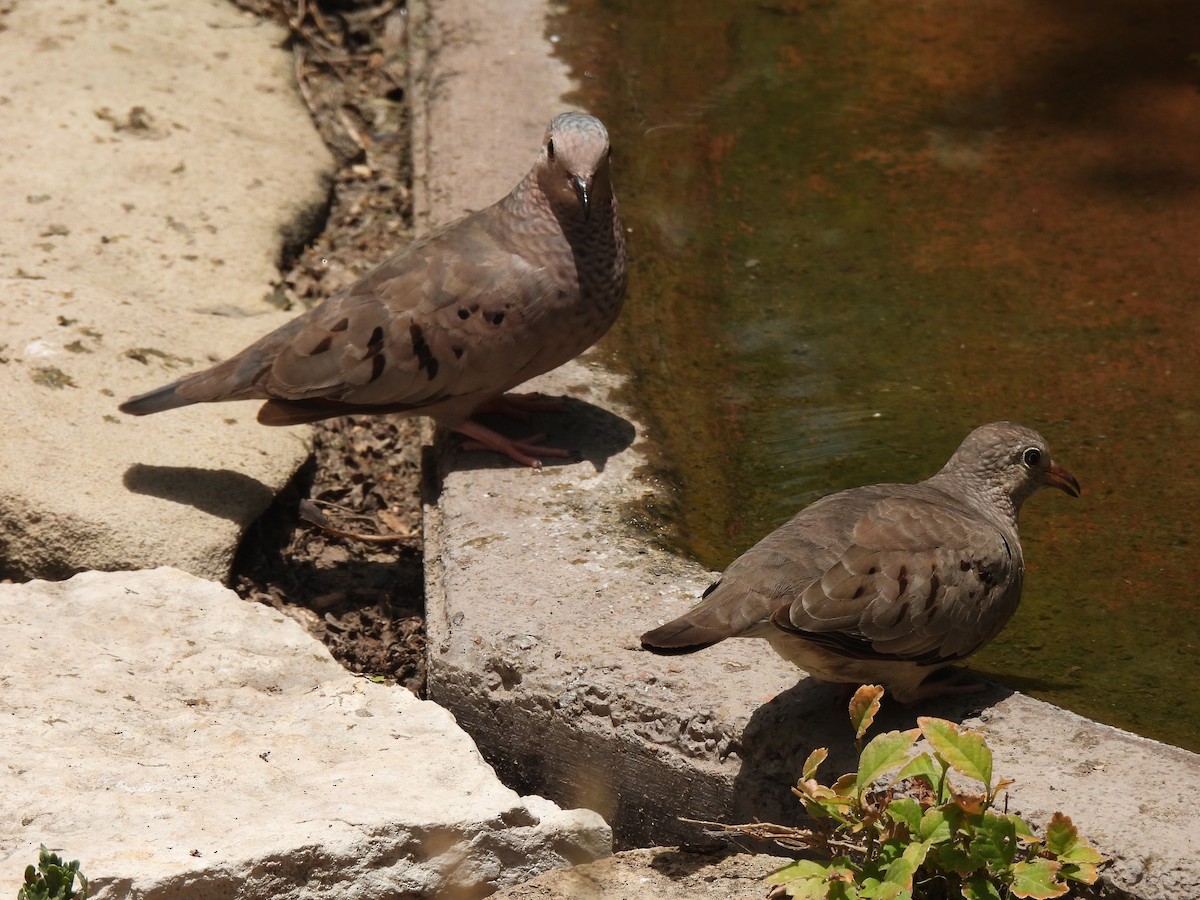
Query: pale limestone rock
[653,874]
[156,158]
[182,742]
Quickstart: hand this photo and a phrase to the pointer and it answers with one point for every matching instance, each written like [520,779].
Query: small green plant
[900,828]
[53,879]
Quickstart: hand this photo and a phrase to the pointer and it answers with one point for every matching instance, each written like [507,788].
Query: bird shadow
[784,731]
[218,492]
[592,434]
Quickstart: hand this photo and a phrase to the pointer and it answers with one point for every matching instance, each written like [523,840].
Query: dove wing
[444,318]
[919,580]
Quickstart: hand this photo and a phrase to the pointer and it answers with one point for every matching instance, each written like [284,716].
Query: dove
[888,583]
[446,326]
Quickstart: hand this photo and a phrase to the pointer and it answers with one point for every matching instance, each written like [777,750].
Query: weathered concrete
[654,874]
[156,160]
[538,586]
[183,743]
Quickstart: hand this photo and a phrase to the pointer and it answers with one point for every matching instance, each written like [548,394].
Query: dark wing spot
[562,294]
[985,575]
[497,318]
[378,364]
[342,325]
[934,584]
[425,357]
[464,314]
[902,578]
[322,345]
[859,591]
[873,570]
[458,352]
[708,590]
[964,564]
[376,342]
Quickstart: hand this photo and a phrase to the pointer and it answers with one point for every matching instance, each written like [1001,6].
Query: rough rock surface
[181,743]
[652,875]
[157,160]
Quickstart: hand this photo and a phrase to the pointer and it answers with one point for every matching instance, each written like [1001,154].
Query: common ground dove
[887,583]
[454,320]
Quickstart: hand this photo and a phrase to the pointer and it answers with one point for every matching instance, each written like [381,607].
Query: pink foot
[525,452]
[521,406]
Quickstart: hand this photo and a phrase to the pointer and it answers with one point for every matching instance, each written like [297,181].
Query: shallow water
[861,229]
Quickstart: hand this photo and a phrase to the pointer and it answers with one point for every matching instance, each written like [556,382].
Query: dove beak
[580,184]
[1057,476]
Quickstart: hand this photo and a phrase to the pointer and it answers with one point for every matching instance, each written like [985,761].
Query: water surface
[860,229]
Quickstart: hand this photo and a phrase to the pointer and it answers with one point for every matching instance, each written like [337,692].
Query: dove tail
[158,400]
[234,379]
[722,614]
[678,637]
[699,627]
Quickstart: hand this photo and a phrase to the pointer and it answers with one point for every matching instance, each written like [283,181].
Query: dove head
[572,170]
[1008,463]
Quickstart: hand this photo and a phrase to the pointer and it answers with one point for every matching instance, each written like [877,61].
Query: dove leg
[525,452]
[521,406]
[959,681]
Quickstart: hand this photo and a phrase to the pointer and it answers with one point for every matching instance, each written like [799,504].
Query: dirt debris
[363,597]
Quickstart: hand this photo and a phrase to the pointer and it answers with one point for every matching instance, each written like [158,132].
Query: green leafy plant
[903,827]
[53,879]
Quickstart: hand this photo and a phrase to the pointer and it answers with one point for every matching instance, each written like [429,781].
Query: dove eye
[550,149]
[1032,457]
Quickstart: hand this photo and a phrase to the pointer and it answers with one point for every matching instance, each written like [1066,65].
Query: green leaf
[922,764]
[805,879]
[1063,840]
[801,868]
[1024,832]
[906,810]
[808,879]
[964,750]
[938,825]
[813,762]
[1084,873]
[883,855]
[1038,879]
[885,751]
[844,786]
[863,707]
[956,860]
[52,879]
[1061,834]
[979,888]
[884,890]
[901,871]
[995,842]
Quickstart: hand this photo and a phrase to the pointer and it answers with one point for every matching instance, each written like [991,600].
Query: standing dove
[891,582]
[450,323]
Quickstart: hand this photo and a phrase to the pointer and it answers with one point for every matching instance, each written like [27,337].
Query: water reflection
[862,228]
